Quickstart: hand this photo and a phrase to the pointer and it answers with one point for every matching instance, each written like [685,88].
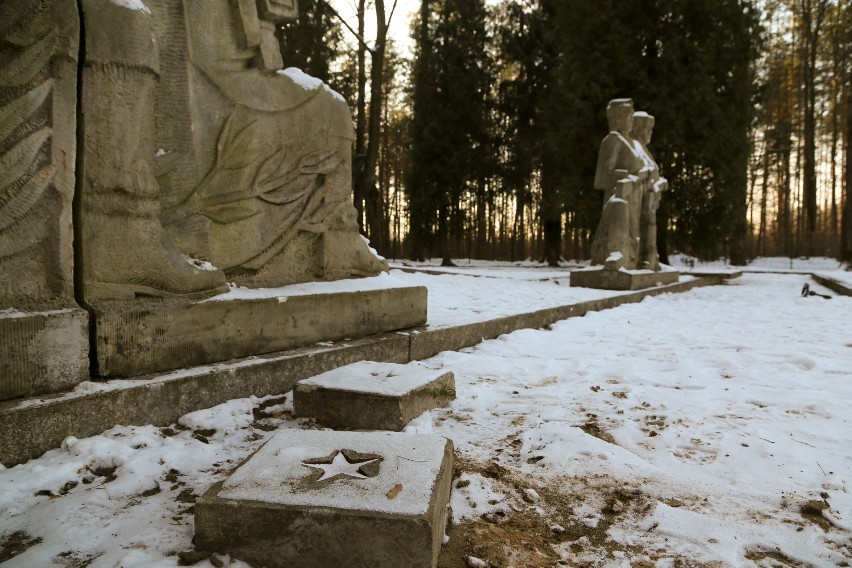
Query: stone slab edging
[833,284]
[30,427]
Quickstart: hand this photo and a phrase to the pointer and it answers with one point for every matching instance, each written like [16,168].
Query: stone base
[161,337]
[373,396]
[277,511]
[42,352]
[605,279]
[834,284]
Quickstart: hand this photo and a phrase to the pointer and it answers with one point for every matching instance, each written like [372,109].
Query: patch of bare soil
[73,559]
[16,543]
[593,428]
[546,531]
[779,560]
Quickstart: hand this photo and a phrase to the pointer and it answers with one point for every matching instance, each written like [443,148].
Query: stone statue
[39,42]
[201,147]
[619,174]
[125,250]
[264,189]
[643,126]
[175,156]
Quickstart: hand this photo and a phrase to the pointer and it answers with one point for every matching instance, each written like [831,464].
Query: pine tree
[450,131]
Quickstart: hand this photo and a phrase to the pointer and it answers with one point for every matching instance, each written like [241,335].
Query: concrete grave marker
[373,396]
[332,499]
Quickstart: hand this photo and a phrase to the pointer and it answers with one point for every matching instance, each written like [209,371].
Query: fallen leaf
[394,491]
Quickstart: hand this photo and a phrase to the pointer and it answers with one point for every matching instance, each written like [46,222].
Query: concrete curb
[832,284]
[30,427]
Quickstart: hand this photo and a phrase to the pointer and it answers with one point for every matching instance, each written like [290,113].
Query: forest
[482,142]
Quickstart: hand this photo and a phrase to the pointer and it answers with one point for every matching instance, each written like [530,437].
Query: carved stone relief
[38,86]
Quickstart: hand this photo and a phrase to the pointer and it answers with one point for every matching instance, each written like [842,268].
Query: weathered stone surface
[373,396]
[42,352]
[198,146]
[643,126]
[606,279]
[160,336]
[30,427]
[39,43]
[124,250]
[43,345]
[281,508]
[255,167]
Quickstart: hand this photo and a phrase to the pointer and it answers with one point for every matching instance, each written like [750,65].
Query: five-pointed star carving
[339,466]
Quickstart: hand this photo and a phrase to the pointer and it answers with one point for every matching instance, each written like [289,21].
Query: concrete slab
[726,274]
[160,336]
[329,499]
[604,279]
[42,352]
[373,396]
[835,284]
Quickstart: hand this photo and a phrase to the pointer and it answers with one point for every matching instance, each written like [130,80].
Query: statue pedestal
[42,352]
[141,338]
[332,499]
[373,396]
[607,279]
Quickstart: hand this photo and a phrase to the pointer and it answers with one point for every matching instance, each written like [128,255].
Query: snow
[708,420]
[308,82]
[301,78]
[381,282]
[136,5]
[382,379]
[278,472]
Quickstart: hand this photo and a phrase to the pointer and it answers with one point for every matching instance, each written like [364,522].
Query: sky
[399,24]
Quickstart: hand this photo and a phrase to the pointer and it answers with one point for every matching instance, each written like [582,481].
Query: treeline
[484,143]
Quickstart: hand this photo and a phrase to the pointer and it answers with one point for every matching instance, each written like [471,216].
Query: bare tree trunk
[761,234]
[846,225]
[374,206]
[812,15]
[360,119]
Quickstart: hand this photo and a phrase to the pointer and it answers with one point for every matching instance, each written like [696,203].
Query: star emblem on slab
[339,466]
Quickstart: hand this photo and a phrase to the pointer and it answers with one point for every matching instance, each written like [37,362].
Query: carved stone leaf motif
[15,163]
[22,20]
[19,203]
[22,109]
[28,64]
[24,24]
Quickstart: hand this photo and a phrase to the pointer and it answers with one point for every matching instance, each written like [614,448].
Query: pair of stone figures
[194,144]
[626,171]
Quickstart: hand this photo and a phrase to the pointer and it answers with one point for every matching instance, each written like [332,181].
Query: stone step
[606,279]
[373,396]
[159,336]
[330,499]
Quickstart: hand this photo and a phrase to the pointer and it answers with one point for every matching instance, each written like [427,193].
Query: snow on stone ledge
[383,281]
[301,78]
[133,5]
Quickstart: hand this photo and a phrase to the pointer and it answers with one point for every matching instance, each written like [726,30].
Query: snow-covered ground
[709,428]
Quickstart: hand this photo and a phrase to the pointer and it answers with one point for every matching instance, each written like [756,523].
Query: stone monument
[331,499]
[201,164]
[624,249]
